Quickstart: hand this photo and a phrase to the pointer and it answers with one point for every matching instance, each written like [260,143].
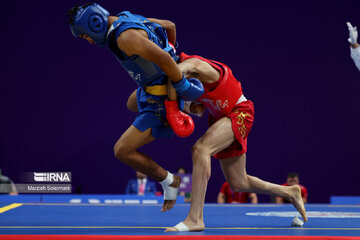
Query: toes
[171,204]
[168,204]
[171,229]
[165,206]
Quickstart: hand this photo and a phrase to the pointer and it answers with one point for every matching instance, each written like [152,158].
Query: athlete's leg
[132,102]
[234,170]
[126,147]
[126,151]
[218,137]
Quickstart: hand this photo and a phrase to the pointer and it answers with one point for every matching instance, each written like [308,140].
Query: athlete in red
[231,119]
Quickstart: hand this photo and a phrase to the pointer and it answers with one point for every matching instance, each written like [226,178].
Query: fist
[181,123]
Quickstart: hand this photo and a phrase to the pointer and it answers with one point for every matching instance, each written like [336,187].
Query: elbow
[171,31]
[170,26]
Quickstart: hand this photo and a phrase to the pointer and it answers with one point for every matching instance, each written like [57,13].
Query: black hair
[72,12]
[292,175]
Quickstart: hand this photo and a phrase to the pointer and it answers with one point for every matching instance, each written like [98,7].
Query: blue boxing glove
[189,89]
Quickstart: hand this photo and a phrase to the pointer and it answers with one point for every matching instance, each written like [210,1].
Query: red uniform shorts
[242,118]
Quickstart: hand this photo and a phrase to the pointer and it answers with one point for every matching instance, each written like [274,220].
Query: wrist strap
[182,85]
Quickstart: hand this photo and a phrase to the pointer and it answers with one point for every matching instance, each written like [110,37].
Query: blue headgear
[92,21]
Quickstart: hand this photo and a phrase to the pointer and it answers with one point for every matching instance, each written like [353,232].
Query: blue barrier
[86,198]
[345,200]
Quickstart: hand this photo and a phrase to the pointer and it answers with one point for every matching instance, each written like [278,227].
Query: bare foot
[297,201]
[191,227]
[169,204]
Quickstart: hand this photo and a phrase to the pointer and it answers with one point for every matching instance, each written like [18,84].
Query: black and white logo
[52,176]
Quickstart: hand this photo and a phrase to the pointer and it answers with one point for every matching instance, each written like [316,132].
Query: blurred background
[63,101]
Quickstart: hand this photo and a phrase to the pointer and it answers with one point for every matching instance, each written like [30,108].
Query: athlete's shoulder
[183,57]
[196,61]
[127,25]
[128,37]
[127,16]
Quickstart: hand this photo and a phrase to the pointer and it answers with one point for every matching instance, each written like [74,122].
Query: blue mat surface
[245,219]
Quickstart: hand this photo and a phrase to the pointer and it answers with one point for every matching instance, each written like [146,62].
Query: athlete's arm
[13,189]
[253,198]
[221,198]
[133,42]
[356,45]
[355,50]
[355,54]
[353,35]
[197,109]
[169,26]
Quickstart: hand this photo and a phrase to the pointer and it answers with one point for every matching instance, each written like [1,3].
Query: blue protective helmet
[91,20]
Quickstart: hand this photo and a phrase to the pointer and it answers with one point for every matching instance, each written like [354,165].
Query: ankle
[291,193]
[176,182]
[169,179]
[194,220]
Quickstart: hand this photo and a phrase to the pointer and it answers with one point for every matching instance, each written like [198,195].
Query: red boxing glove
[181,123]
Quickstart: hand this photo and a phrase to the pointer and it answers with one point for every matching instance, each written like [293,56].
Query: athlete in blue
[142,47]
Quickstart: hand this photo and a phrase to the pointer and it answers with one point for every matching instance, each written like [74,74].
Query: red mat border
[172,237]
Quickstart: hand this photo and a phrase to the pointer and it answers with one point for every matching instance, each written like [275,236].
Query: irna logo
[52,177]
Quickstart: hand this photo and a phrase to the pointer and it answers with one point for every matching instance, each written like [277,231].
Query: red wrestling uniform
[230,196]
[225,98]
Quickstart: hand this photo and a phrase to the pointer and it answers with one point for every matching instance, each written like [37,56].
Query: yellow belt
[157,90]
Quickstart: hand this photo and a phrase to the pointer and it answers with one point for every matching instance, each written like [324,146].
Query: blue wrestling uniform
[151,80]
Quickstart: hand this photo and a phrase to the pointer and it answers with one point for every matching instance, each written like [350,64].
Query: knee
[201,159]
[121,152]
[199,151]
